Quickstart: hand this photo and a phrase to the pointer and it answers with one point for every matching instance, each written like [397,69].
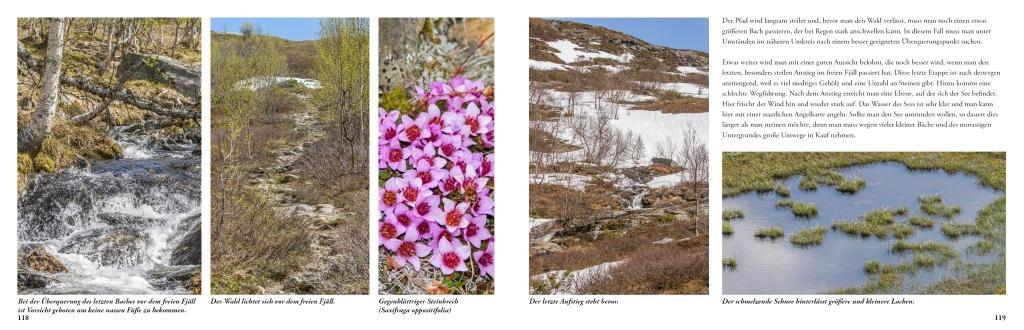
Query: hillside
[618,163]
[300,54]
[562,45]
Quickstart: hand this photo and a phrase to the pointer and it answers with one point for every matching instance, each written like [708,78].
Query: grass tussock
[732,214]
[782,190]
[808,236]
[771,233]
[799,209]
[729,262]
[727,228]
[921,221]
[932,205]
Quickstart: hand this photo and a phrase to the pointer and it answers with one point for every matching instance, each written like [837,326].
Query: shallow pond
[779,267]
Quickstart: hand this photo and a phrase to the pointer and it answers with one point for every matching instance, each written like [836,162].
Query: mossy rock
[44,163]
[25,169]
[396,99]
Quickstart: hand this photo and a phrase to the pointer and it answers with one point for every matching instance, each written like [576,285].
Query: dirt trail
[319,275]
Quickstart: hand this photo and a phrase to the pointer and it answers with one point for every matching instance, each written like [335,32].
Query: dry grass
[683,104]
[560,202]
[588,253]
[656,269]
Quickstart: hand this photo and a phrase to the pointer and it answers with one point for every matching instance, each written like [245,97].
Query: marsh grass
[955,230]
[808,184]
[782,191]
[808,236]
[931,247]
[744,172]
[921,221]
[771,233]
[800,209]
[732,214]
[932,205]
[729,262]
[726,228]
[847,186]
[880,223]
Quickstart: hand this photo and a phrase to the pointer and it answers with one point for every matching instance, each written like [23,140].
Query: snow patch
[568,53]
[571,282]
[690,69]
[666,181]
[544,65]
[569,180]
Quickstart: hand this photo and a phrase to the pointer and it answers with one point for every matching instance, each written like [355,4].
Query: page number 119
[1000,317]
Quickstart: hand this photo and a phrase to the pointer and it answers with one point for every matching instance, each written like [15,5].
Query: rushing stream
[125,226]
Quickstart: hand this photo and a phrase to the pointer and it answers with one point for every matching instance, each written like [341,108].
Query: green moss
[808,236]
[44,163]
[732,214]
[770,233]
[396,99]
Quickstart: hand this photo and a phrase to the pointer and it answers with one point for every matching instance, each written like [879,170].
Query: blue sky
[682,33]
[288,28]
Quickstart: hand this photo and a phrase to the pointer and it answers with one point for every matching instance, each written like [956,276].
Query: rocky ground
[281,181]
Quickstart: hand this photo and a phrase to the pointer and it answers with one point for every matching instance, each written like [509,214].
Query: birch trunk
[30,139]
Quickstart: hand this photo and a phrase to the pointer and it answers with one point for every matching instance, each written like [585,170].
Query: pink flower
[413,191]
[388,230]
[428,172]
[427,207]
[393,155]
[472,122]
[388,130]
[485,260]
[448,145]
[450,257]
[413,129]
[476,231]
[389,196]
[453,216]
[408,251]
[422,228]
[401,215]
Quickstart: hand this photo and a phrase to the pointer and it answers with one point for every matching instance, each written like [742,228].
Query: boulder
[29,279]
[113,247]
[189,249]
[41,261]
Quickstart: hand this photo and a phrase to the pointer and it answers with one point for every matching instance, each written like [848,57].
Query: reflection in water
[765,266]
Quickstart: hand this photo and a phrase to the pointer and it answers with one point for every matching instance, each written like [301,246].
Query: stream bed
[124,226]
